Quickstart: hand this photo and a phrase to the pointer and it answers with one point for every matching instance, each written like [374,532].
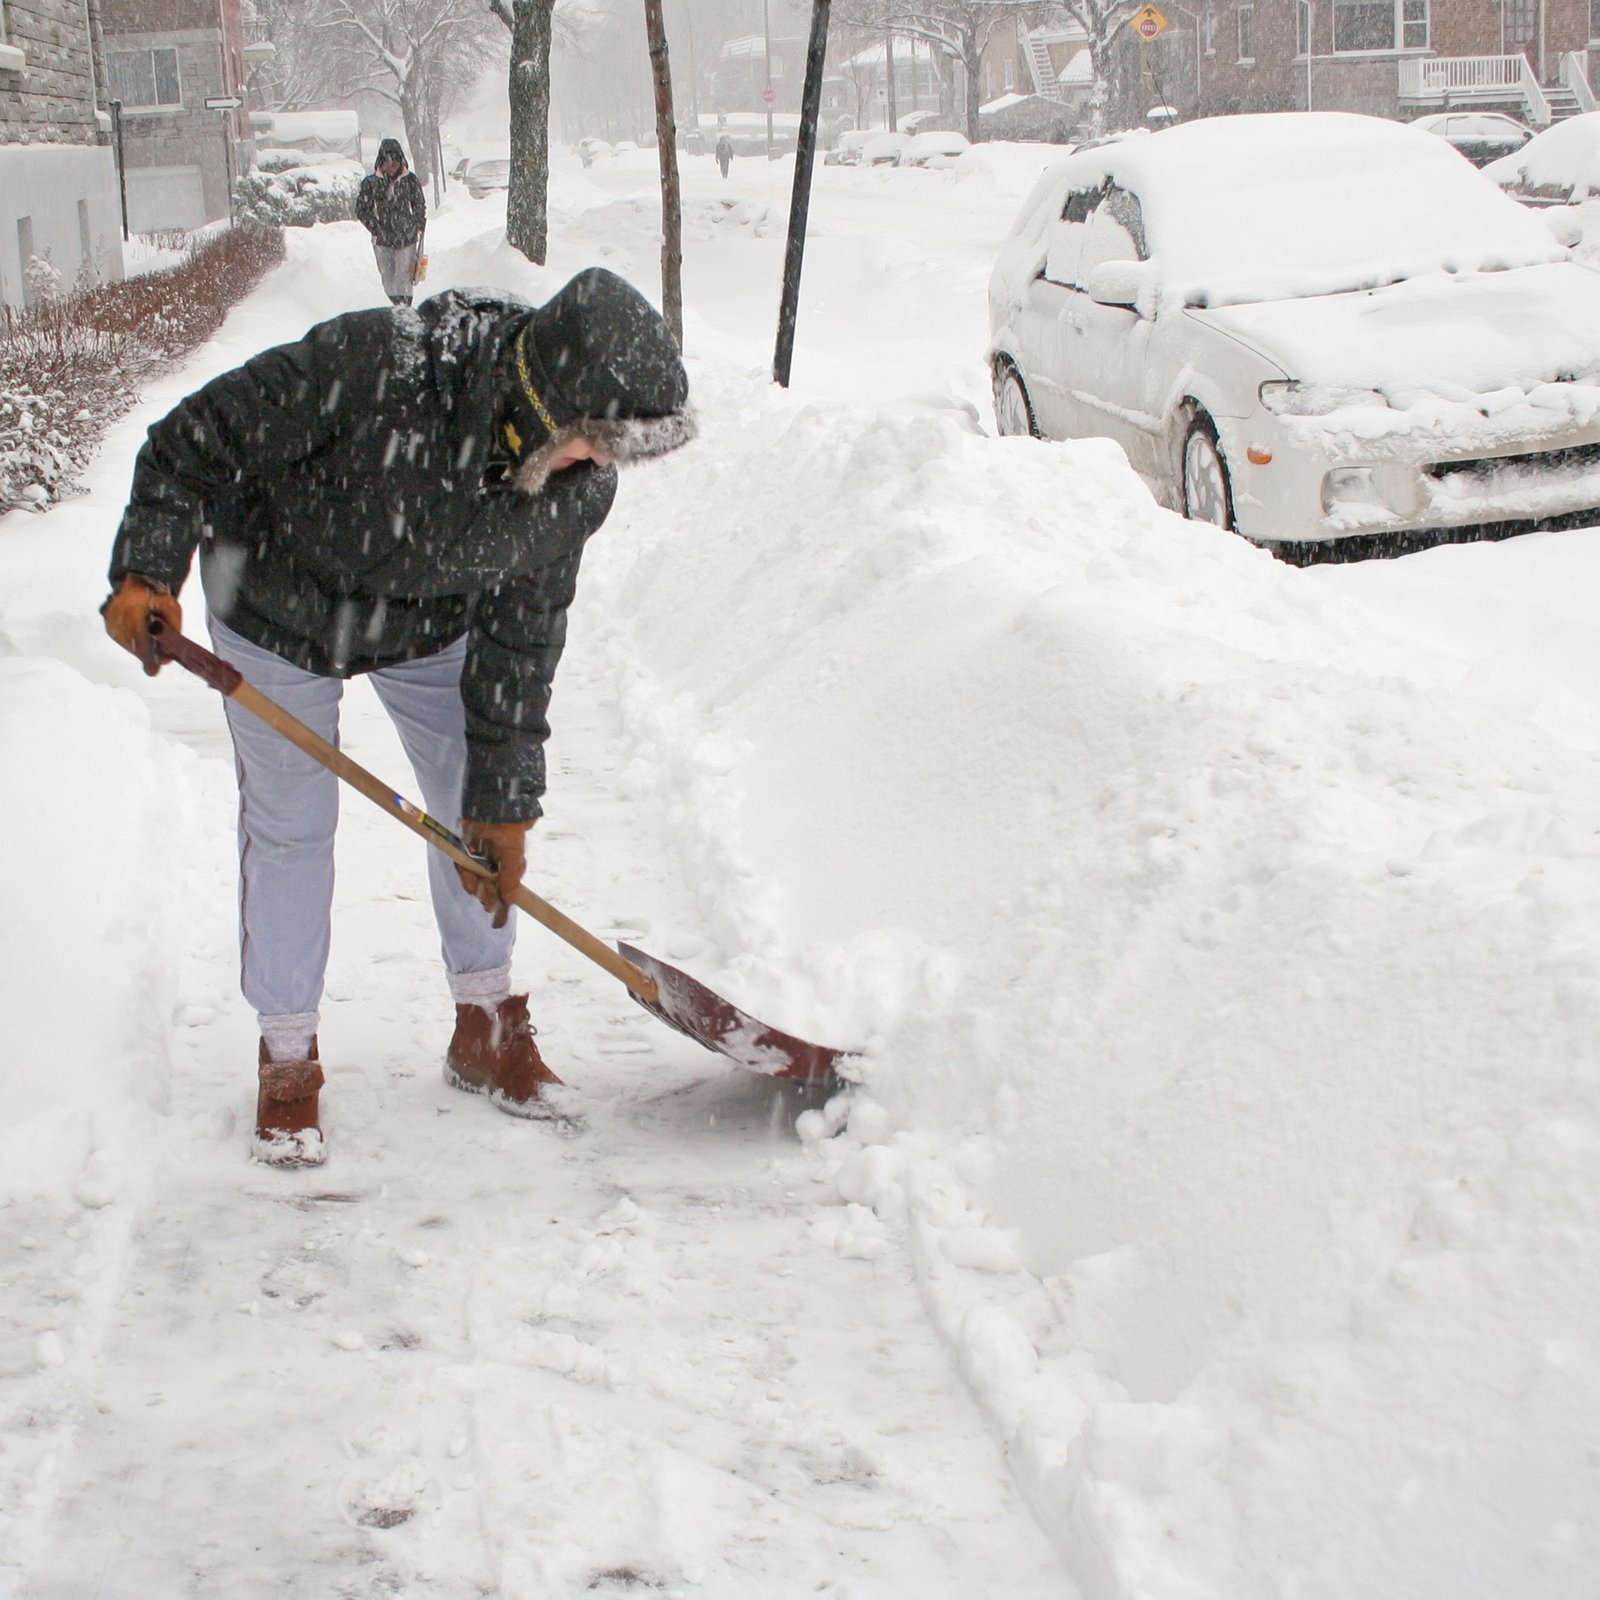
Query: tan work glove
[506,845]
[127,616]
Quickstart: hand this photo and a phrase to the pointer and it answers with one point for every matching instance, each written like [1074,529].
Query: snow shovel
[677,999]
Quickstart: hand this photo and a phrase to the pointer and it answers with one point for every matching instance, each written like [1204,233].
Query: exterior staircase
[1043,68]
[1563,102]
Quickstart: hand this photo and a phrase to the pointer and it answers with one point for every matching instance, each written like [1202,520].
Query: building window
[144,77]
[1210,27]
[1594,19]
[1247,33]
[1302,27]
[1011,69]
[1380,25]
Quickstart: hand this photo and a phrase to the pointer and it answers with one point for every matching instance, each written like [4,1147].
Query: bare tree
[958,29]
[304,74]
[1103,21]
[414,52]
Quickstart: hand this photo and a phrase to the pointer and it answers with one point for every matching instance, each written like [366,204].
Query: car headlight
[1281,396]
[1291,397]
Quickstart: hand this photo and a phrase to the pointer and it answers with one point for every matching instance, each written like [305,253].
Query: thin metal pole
[800,203]
[122,172]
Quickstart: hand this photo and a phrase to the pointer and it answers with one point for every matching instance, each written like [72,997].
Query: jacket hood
[598,349]
[389,149]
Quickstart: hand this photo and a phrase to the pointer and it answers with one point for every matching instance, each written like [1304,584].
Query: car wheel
[1207,494]
[1013,413]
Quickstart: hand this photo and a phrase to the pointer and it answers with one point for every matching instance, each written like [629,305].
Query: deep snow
[1218,1215]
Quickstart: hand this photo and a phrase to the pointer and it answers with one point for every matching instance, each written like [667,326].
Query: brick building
[59,207]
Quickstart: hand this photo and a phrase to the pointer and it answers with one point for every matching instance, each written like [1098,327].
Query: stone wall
[52,99]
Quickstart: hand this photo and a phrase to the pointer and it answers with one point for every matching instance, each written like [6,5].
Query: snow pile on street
[1228,985]
[1220,938]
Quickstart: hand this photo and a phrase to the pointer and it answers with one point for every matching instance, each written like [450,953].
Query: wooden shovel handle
[229,681]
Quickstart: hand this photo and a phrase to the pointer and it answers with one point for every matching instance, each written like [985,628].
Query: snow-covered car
[934,150]
[847,151]
[883,149]
[485,175]
[1303,326]
[1560,166]
[1481,136]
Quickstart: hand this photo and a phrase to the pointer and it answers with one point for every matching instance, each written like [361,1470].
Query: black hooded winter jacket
[344,493]
[393,210]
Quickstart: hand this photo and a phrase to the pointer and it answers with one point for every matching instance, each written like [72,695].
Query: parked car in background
[1303,326]
[486,175]
[1481,136]
[934,150]
[1560,166]
[883,149]
[847,150]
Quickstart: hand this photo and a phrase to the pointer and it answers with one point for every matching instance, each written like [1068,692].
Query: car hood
[1452,336]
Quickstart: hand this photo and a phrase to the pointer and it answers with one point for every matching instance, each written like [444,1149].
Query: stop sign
[769,94]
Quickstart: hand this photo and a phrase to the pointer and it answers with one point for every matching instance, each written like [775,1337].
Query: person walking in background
[391,206]
[410,503]
[724,152]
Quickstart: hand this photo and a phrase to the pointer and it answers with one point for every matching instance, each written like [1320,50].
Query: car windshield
[489,169]
[1330,202]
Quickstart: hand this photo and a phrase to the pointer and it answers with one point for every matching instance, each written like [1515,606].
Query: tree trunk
[971,66]
[527,202]
[419,131]
[667,149]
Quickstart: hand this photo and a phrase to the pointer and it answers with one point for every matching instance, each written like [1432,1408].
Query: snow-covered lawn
[1217,1219]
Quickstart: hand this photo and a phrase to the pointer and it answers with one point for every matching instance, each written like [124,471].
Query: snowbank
[94,852]
[1227,983]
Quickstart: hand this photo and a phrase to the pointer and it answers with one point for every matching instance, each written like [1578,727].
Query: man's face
[389,166]
[567,449]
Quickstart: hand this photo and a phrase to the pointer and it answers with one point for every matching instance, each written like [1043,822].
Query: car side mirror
[1129,284]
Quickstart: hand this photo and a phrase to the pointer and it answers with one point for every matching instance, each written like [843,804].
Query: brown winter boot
[287,1131]
[495,1055]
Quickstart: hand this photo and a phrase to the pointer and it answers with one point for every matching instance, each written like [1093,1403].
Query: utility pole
[667,150]
[768,93]
[799,205]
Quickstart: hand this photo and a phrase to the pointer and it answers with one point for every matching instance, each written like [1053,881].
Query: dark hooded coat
[393,210]
[350,495]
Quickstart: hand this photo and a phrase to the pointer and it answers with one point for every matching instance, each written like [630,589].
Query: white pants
[398,269]
[288,809]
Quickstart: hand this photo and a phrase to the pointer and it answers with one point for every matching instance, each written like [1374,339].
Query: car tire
[1013,411]
[1207,492]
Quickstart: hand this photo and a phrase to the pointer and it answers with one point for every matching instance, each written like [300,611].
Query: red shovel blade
[686,1004]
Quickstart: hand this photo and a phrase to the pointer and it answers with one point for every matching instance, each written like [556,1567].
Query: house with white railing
[60,213]
[1535,59]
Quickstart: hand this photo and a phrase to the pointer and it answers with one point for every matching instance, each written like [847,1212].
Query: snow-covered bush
[298,196]
[70,363]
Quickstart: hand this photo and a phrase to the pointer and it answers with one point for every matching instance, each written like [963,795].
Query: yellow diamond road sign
[1148,22]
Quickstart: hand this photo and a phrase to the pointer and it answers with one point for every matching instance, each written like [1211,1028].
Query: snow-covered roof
[904,49]
[1079,70]
[337,132]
